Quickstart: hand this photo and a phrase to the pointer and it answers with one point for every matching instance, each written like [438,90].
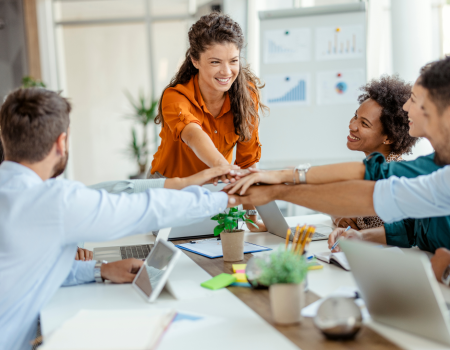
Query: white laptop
[399,290]
[200,229]
[155,271]
[276,223]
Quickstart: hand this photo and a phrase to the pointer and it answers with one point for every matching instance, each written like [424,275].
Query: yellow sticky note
[240,277]
[239,267]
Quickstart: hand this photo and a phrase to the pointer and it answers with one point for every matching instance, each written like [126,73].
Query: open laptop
[276,223]
[399,290]
[204,228]
[139,251]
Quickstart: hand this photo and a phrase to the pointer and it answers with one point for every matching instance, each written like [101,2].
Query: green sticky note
[220,281]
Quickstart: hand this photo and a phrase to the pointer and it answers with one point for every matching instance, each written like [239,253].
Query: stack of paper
[111,330]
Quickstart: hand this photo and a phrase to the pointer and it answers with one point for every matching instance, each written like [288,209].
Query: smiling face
[218,68]
[366,130]
[414,107]
[437,129]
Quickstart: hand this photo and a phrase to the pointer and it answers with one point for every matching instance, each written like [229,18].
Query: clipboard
[212,248]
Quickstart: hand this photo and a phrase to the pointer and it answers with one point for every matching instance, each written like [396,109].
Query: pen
[337,242]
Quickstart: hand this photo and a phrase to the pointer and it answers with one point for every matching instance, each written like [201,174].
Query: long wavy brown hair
[218,28]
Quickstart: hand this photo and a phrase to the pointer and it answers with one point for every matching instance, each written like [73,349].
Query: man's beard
[59,168]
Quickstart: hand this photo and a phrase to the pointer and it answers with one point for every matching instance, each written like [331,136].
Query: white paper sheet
[287,89]
[339,42]
[110,330]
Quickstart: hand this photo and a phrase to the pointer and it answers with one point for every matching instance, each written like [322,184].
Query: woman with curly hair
[380,125]
[210,106]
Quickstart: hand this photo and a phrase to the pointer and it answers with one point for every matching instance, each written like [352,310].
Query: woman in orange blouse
[210,106]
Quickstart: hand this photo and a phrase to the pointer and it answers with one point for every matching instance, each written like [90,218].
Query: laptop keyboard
[315,235]
[135,251]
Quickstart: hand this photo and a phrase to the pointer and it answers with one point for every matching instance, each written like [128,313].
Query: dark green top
[428,234]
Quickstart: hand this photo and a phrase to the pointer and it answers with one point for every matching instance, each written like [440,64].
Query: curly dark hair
[391,93]
[218,28]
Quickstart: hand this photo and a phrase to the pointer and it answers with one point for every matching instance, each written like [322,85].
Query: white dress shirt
[41,221]
[395,199]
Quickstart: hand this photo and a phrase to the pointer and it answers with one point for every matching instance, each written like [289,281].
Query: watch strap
[251,212]
[98,271]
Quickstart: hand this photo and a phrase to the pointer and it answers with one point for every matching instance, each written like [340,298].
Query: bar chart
[287,90]
[342,42]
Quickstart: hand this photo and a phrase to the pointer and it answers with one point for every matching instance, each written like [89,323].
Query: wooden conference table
[246,320]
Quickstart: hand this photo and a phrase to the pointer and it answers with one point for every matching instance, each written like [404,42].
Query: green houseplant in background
[284,271]
[144,112]
[28,82]
[232,237]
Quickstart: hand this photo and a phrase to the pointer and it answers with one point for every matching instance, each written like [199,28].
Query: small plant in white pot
[232,238]
[285,272]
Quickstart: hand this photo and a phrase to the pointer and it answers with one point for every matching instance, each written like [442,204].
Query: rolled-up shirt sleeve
[396,198]
[176,113]
[81,272]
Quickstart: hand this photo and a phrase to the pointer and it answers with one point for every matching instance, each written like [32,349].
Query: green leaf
[251,221]
[233,210]
[218,230]
[218,216]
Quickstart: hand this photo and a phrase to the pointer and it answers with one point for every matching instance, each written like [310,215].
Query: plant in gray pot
[232,238]
[285,272]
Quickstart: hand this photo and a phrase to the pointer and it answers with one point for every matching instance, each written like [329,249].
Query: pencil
[303,233]
[309,234]
[288,235]
[294,241]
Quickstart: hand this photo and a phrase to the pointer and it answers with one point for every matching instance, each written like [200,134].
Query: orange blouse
[183,104]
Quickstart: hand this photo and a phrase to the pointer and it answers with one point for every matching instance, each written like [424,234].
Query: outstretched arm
[345,199]
[316,175]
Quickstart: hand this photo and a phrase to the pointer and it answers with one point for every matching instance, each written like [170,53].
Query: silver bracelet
[98,271]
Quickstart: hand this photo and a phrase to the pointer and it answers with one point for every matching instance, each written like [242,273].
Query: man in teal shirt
[428,234]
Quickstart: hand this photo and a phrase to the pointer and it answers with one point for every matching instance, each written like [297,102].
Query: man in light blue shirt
[42,218]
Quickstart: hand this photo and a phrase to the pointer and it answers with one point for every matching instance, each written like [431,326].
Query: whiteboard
[313,62]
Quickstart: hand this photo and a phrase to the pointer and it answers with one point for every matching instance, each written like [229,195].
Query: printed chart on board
[339,86]
[284,89]
[341,42]
[287,45]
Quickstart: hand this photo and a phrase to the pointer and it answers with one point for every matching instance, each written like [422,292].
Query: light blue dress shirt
[395,199]
[41,221]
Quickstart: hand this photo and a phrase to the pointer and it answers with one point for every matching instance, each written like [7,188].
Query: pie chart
[341,87]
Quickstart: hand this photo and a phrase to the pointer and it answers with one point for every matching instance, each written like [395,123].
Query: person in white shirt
[392,199]
[42,218]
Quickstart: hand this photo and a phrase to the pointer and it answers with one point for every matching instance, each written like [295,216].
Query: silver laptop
[399,290]
[200,229]
[276,223]
[139,251]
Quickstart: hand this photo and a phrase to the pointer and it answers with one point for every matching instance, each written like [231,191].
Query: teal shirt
[428,234]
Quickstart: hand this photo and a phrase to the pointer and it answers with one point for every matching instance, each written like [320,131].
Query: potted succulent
[284,272]
[232,238]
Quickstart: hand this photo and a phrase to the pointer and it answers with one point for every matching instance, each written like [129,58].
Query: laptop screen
[154,268]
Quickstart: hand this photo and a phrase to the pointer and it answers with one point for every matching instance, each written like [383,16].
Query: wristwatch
[446,276]
[302,169]
[251,212]
[98,271]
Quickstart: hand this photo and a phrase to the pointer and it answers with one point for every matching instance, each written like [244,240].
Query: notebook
[137,329]
[338,259]
[212,248]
